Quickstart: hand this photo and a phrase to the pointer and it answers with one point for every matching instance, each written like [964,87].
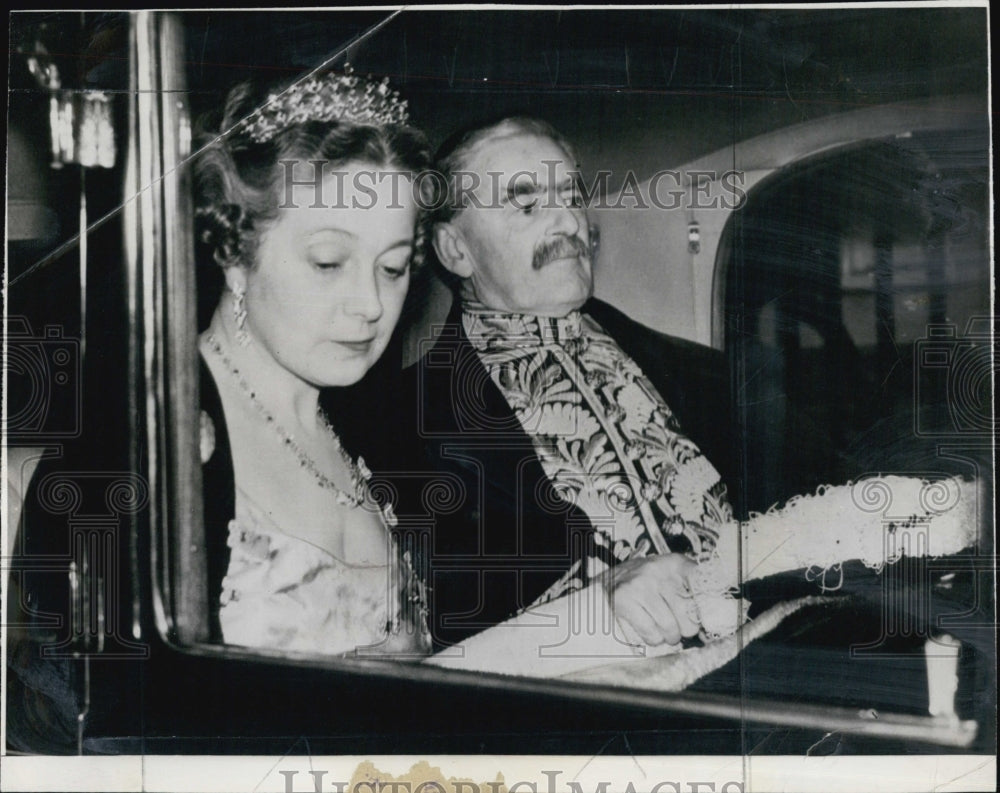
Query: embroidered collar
[490,328]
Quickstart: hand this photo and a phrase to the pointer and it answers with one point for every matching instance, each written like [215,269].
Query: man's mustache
[562,247]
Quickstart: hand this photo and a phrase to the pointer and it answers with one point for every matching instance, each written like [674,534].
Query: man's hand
[650,595]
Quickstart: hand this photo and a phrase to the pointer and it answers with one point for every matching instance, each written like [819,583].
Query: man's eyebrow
[522,188]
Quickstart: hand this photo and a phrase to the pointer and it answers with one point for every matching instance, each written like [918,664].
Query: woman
[305,201]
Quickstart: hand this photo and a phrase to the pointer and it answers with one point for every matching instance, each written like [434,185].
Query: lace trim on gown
[282,592]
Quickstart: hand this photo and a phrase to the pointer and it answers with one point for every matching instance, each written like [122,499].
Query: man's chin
[563,307]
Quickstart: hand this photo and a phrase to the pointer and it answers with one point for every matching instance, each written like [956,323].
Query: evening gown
[270,589]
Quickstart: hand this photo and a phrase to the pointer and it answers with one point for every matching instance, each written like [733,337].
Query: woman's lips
[358,346]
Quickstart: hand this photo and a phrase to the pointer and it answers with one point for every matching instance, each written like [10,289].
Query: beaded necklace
[360,473]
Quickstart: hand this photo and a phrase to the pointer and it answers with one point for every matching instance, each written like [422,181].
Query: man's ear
[451,250]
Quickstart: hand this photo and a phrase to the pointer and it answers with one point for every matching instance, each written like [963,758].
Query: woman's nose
[365,301]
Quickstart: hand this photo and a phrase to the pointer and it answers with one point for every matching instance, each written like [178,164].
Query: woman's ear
[451,250]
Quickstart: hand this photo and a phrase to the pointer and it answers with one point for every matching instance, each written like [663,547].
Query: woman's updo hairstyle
[336,118]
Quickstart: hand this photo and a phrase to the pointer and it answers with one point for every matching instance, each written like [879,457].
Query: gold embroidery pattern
[605,438]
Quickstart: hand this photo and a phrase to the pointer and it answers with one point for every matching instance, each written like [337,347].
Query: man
[568,438]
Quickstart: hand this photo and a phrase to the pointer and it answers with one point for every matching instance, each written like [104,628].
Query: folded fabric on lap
[876,521]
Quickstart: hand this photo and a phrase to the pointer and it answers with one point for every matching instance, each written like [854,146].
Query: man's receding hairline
[505,130]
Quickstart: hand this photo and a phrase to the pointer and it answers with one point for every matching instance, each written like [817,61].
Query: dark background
[632,89]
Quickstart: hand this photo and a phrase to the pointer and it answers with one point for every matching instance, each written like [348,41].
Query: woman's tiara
[340,97]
